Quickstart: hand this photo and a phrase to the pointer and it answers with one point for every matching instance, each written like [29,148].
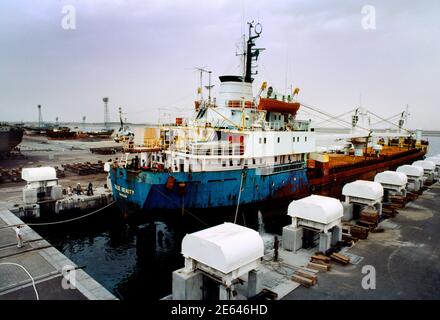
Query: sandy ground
[39,151]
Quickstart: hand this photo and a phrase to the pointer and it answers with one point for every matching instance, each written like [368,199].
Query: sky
[142,54]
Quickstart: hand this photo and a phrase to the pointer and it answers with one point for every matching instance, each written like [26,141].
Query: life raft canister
[170,182]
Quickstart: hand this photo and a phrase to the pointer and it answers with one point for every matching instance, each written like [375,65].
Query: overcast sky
[142,54]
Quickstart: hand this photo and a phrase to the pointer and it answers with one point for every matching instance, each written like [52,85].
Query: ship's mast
[40,116]
[209,86]
[120,119]
[403,119]
[106,115]
[251,52]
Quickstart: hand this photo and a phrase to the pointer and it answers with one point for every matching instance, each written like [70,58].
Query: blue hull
[146,190]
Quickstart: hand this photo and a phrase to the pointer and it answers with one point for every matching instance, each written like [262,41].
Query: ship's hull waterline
[203,191]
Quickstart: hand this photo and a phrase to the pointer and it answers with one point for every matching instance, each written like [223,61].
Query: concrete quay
[405,258]
[49,268]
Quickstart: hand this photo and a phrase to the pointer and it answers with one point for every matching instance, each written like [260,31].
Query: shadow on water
[134,257]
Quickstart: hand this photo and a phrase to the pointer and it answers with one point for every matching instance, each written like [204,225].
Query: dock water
[49,268]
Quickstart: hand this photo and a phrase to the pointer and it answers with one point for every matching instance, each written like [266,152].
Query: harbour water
[134,258]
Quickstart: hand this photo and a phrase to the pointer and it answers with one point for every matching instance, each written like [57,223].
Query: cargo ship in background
[55,131]
[10,137]
[241,149]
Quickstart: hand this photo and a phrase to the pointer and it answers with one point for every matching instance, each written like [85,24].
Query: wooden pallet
[340,258]
[367,224]
[320,258]
[359,232]
[319,266]
[304,279]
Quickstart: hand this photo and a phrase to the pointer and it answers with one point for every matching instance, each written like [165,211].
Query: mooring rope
[239,196]
[27,272]
[63,221]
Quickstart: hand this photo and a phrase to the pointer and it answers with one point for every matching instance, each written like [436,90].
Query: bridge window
[278,139]
[305,139]
[264,140]
[297,139]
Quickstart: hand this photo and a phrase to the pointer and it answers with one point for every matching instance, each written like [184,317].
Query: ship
[101,134]
[240,149]
[10,137]
[61,133]
[124,134]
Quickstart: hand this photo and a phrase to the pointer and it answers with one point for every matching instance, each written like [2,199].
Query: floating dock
[56,277]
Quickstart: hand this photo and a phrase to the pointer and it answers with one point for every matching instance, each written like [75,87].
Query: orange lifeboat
[272,105]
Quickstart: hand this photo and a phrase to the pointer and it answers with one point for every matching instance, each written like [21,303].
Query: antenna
[106,115]
[84,121]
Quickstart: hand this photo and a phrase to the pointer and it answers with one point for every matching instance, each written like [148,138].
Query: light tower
[40,116]
[106,115]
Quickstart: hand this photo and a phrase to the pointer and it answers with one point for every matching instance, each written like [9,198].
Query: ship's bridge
[233,90]
[234,93]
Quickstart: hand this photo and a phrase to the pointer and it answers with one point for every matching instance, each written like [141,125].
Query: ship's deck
[340,160]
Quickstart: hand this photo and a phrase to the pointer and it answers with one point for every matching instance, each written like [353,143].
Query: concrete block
[187,286]
[224,293]
[324,241]
[292,238]
[379,208]
[336,234]
[254,283]
[348,211]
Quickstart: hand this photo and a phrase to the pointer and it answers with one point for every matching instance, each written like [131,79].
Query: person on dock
[69,191]
[18,233]
[276,245]
[90,189]
[78,189]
